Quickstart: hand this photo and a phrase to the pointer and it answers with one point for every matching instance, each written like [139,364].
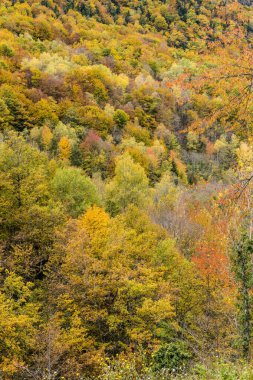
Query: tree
[5,117]
[17,110]
[129,186]
[95,118]
[120,118]
[121,275]
[242,261]
[114,272]
[74,190]
[28,214]
[64,147]
[19,318]
[46,137]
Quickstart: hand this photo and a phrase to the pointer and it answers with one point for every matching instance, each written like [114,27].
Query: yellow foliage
[46,136]
[64,148]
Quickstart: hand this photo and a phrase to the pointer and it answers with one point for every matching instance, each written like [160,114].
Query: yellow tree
[64,149]
[46,137]
[127,283]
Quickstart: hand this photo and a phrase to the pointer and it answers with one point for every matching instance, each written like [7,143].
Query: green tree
[120,118]
[74,190]
[243,268]
[17,105]
[129,186]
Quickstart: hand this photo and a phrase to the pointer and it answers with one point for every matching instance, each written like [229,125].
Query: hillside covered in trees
[126,184]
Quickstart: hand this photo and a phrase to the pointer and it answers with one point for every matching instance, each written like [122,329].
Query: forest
[126,190]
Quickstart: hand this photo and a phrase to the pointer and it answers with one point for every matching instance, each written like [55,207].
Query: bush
[173,356]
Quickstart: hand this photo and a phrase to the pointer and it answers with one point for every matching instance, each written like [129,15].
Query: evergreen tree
[242,259]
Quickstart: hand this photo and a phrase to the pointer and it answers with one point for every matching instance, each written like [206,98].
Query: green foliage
[74,190]
[129,186]
[242,265]
[120,118]
[172,356]
[5,50]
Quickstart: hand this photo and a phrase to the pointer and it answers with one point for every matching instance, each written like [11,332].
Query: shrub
[172,356]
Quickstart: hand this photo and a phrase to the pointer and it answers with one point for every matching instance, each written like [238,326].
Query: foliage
[74,190]
[129,186]
[126,189]
[173,357]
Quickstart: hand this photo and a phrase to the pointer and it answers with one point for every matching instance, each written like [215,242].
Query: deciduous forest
[126,189]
